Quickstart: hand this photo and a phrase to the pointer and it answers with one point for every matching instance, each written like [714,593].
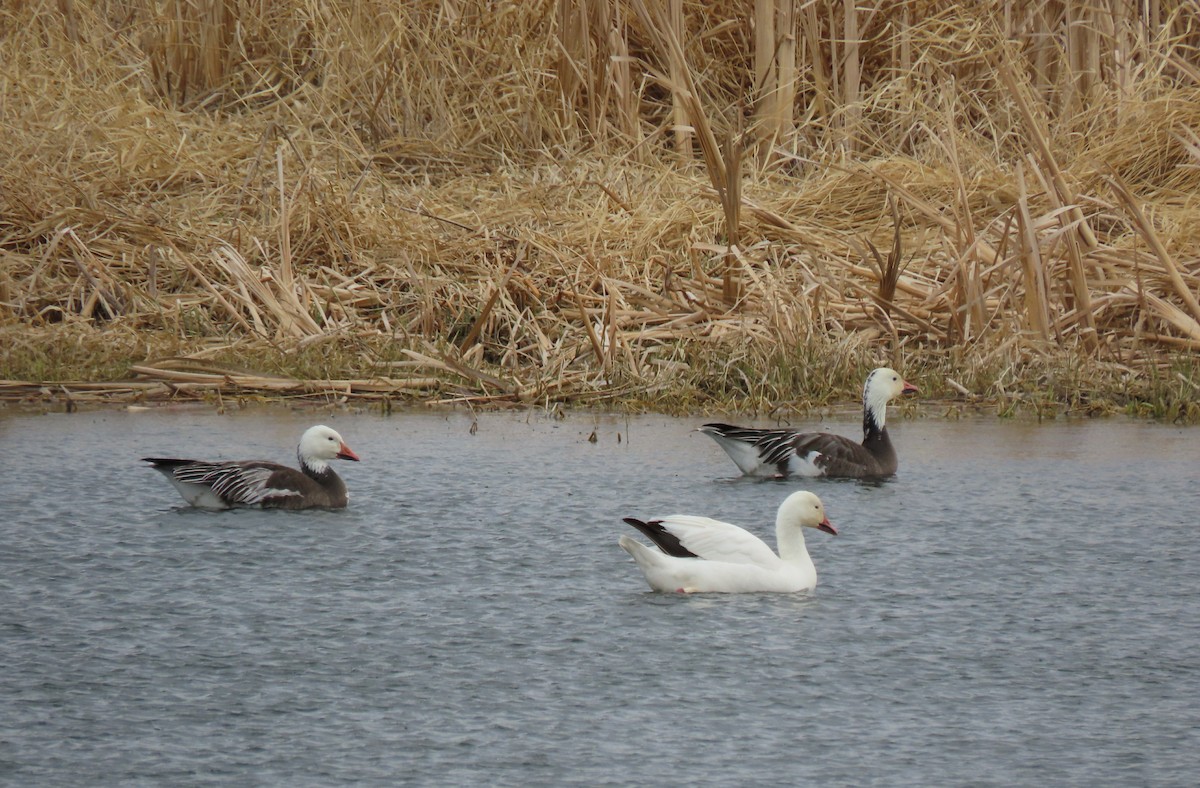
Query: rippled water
[1017,607]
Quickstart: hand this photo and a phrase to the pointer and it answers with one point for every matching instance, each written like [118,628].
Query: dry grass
[634,203]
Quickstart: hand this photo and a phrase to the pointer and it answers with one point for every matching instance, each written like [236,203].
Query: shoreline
[449,383]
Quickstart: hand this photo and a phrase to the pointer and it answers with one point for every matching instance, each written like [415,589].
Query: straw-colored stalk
[673,26]
[787,78]
[852,75]
[1032,268]
[765,64]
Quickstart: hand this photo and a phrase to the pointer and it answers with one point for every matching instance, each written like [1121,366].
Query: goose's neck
[877,442]
[875,434]
[317,470]
[791,545]
[874,418]
[875,415]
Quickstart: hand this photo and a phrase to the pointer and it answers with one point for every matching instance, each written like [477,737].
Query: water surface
[1017,607]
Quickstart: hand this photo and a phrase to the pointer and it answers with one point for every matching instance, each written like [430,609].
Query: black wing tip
[663,539]
[165,461]
[717,427]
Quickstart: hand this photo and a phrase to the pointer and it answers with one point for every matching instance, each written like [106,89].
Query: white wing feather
[714,540]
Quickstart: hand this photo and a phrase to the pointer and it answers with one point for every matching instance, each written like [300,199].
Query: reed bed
[634,203]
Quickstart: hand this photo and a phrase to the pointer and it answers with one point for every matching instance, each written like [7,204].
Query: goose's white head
[804,510]
[883,385]
[320,444]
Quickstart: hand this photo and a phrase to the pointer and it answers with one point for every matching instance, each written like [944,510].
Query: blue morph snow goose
[223,485]
[783,452]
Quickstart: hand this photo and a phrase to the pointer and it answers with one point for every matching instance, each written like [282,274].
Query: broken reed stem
[852,74]
[1077,279]
[286,278]
[667,34]
[968,290]
[822,98]
[680,76]
[722,163]
[889,270]
[731,202]
[1031,264]
[1037,134]
[597,347]
[1146,230]
[473,334]
[105,289]
[624,93]
[765,79]
[785,87]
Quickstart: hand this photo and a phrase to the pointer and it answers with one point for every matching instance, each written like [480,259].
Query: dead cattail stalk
[105,289]
[667,33]
[1076,274]
[785,88]
[286,277]
[1040,138]
[680,75]
[723,163]
[253,290]
[968,289]
[1146,230]
[822,96]
[765,80]
[477,326]
[731,203]
[574,57]
[597,345]
[890,269]
[852,75]
[1029,251]
[625,96]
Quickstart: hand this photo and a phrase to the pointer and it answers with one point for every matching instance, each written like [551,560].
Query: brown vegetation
[636,202]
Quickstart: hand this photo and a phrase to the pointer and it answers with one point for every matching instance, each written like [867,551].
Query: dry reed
[623,201]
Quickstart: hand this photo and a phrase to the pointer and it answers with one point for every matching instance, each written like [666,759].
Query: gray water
[1018,607]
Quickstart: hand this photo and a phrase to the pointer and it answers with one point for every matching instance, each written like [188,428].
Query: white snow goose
[222,485]
[701,555]
[781,452]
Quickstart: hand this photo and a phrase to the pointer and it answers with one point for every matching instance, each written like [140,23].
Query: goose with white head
[781,452]
[268,485]
[701,555]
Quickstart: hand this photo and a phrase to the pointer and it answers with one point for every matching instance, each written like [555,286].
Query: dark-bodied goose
[782,453]
[222,485]
[701,555]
